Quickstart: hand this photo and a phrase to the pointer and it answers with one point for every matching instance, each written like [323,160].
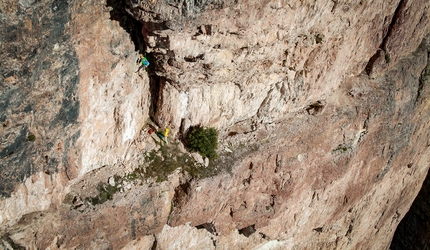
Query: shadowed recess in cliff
[210,227]
[135,28]
[413,231]
[128,23]
[247,231]
[39,105]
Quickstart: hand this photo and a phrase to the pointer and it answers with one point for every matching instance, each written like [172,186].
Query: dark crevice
[264,236]
[127,22]
[182,129]
[194,58]
[315,108]
[383,46]
[154,245]
[179,199]
[369,66]
[157,60]
[139,32]
[214,242]
[272,200]
[247,231]
[156,85]
[210,227]
[232,133]
[181,193]
[350,228]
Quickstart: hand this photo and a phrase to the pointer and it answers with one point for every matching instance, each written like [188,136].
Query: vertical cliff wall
[413,230]
[71,100]
[40,105]
[322,110]
[39,99]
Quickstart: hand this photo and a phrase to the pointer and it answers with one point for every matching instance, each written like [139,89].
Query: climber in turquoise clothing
[144,63]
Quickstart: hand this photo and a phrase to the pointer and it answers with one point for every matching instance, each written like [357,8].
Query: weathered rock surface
[84,108]
[413,231]
[39,105]
[322,109]
[40,77]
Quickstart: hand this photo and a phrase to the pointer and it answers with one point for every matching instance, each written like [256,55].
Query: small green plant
[31,137]
[204,141]
[160,179]
[340,149]
[387,58]
[106,192]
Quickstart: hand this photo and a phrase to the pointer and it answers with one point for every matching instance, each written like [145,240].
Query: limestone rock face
[212,58]
[71,101]
[322,110]
[115,99]
[39,105]
[414,230]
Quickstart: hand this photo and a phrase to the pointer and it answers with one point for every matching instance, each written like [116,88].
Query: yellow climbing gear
[166,132]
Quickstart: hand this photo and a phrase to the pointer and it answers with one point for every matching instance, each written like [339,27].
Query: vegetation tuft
[340,149]
[31,137]
[106,192]
[204,141]
[161,163]
[387,58]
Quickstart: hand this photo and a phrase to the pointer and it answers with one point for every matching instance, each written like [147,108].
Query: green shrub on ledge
[204,141]
[31,137]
